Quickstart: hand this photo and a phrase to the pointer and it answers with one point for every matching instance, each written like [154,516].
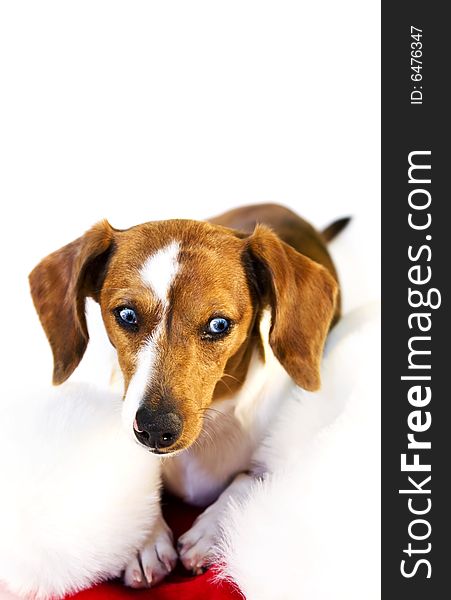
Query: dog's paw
[154,561]
[196,546]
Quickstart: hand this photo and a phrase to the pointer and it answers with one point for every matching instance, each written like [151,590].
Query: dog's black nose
[157,430]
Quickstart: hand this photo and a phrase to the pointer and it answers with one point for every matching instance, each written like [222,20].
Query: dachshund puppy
[212,323]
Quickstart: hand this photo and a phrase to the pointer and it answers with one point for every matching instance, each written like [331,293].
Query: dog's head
[181,303]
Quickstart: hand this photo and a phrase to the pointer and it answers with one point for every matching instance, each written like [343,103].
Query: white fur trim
[78,497]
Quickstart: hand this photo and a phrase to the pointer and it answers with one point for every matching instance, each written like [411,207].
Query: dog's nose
[157,430]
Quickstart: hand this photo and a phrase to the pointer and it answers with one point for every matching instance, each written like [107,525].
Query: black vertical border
[407,128]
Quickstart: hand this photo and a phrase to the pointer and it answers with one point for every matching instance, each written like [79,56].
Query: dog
[212,322]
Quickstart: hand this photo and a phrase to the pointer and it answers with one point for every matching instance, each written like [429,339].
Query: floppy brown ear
[59,286]
[302,295]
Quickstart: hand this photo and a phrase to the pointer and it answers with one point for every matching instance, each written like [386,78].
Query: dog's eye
[218,326]
[126,317]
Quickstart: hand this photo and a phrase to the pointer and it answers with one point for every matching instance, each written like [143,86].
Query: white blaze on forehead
[160,269]
[158,273]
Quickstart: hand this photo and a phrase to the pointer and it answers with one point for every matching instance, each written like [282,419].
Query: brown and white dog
[212,322]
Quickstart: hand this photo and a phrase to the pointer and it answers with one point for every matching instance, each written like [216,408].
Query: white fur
[157,558]
[160,270]
[198,546]
[78,497]
[141,378]
[313,527]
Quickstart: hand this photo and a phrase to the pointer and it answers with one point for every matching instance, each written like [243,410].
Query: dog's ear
[302,295]
[59,286]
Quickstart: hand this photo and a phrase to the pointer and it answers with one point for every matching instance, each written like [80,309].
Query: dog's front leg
[155,560]
[196,547]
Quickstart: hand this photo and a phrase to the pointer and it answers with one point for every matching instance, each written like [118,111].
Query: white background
[137,111]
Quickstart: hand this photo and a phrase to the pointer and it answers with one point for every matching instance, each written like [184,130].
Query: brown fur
[290,228]
[223,272]
[59,285]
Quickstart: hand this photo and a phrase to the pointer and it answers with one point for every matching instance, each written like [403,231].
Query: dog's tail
[334,228]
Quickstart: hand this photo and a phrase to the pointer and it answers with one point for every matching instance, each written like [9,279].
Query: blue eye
[126,317]
[218,325]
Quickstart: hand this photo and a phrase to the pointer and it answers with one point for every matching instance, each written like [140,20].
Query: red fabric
[180,585]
